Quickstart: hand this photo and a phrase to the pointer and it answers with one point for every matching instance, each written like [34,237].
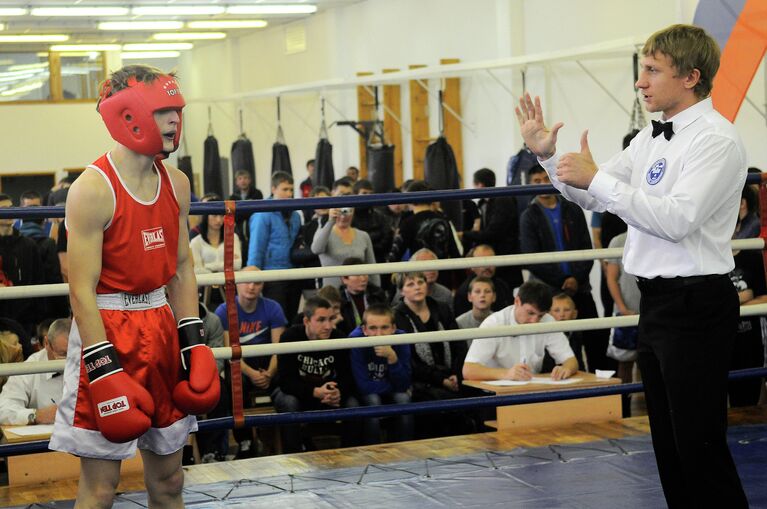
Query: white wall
[376,34]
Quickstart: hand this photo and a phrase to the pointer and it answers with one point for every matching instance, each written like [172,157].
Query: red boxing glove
[123,408]
[199,392]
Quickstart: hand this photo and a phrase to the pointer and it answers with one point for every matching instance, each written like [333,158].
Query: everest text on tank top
[140,245]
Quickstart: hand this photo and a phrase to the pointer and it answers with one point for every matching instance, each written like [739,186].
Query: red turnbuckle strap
[231,309]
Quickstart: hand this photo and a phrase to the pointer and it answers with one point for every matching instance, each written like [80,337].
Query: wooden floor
[339,458]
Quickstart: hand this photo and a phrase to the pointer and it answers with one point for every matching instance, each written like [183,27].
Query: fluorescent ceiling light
[167,46]
[24,88]
[272,9]
[188,36]
[2,26]
[23,67]
[79,11]
[141,25]
[12,11]
[34,38]
[142,55]
[227,23]
[67,48]
[178,10]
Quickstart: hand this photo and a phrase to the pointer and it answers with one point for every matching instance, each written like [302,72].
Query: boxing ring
[538,468]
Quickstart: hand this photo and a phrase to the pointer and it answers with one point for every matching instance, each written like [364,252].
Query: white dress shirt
[680,198]
[23,394]
[506,351]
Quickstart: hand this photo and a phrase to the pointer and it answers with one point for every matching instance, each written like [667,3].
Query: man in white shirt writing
[519,357]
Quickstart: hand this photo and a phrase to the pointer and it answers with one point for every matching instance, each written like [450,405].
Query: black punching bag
[185,165]
[323,164]
[380,162]
[242,157]
[441,172]
[211,169]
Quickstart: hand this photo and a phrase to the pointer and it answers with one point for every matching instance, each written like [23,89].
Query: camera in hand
[345,211]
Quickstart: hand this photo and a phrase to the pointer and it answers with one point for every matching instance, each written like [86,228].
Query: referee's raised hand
[538,138]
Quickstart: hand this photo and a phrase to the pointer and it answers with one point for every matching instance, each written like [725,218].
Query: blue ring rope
[360,200]
[366,412]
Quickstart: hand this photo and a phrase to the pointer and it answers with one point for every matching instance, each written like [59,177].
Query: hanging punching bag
[280,152]
[323,156]
[441,172]
[211,169]
[323,164]
[242,157]
[380,161]
[185,165]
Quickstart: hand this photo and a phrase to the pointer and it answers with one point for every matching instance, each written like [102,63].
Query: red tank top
[140,245]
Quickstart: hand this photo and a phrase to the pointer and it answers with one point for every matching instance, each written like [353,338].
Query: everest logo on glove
[153,238]
[113,406]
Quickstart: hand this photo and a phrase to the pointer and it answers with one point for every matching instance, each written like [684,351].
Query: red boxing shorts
[143,331]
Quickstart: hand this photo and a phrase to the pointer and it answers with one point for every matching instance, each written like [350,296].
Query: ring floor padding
[619,474]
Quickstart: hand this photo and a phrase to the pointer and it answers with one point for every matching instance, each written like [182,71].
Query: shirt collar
[691,114]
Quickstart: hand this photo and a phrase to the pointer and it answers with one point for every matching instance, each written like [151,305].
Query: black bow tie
[667,128]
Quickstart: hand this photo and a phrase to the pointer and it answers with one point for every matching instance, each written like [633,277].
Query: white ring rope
[51,290]
[318,345]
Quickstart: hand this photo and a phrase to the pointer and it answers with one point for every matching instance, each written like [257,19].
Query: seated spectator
[332,295]
[436,366]
[10,351]
[382,373]
[371,221]
[337,240]
[504,295]
[20,265]
[357,293]
[748,224]
[301,254]
[261,321]
[208,254]
[520,357]
[313,380]
[424,228]
[563,308]
[33,399]
[307,185]
[435,290]
[481,296]
[208,247]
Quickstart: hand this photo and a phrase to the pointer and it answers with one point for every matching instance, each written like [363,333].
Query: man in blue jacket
[271,237]
[382,373]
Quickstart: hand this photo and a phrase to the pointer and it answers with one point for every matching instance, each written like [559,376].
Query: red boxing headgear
[129,113]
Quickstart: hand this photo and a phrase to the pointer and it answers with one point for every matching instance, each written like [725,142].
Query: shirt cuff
[602,187]
[550,164]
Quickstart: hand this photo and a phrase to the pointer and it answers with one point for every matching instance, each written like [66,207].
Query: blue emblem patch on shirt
[656,171]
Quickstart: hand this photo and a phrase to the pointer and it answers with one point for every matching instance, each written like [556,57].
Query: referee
[678,187]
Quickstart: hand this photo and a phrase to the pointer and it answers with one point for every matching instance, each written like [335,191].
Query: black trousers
[687,330]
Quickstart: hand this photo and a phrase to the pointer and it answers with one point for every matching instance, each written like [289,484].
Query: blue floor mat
[619,474]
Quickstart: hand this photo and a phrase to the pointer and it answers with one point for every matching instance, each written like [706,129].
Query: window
[51,76]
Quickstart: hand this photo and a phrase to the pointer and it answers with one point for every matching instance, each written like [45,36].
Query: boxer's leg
[164,479]
[98,483]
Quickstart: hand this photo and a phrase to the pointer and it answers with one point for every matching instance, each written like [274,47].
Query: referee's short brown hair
[689,47]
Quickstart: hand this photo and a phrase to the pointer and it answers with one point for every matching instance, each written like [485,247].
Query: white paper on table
[605,373]
[548,381]
[506,383]
[28,431]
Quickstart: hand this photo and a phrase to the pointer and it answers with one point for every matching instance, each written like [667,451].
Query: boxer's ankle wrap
[101,360]
[191,333]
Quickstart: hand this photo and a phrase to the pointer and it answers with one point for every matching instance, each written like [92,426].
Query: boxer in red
[137,369]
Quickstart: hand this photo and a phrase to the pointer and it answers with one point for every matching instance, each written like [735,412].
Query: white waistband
[130,301]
